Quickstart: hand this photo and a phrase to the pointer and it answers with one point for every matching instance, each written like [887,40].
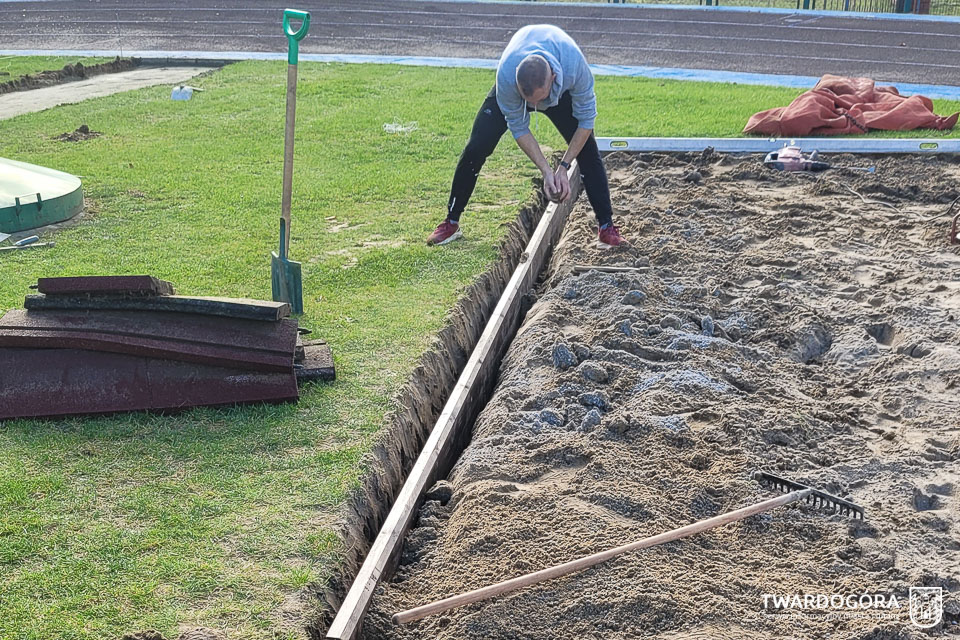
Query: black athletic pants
[490,125]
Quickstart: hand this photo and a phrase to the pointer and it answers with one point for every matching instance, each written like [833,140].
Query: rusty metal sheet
[245,344]
[269,336]
[100,285]
[224,356]
[240,308]
[59,382]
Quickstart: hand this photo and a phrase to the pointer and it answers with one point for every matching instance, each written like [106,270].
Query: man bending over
[542,69]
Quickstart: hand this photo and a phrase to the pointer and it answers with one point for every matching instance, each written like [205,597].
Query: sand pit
[783,324]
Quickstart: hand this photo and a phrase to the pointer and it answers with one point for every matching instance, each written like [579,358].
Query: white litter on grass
[397,127]
[181,92]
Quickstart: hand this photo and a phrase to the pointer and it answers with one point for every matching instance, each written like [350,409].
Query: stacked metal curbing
[102,344]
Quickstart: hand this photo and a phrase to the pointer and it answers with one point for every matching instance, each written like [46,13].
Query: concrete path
[19,102]
[887,48]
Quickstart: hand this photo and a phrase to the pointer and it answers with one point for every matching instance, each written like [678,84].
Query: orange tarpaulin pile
[839,105]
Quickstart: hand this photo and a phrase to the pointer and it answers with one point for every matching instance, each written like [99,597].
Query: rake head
[815,497]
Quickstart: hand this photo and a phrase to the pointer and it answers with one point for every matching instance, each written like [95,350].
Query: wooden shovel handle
[288,150]
[583,563]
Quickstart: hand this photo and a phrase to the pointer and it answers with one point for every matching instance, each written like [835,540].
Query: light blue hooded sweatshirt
[566,60]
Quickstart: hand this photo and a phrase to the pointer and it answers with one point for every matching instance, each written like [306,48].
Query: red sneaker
[445,232]
[609,236]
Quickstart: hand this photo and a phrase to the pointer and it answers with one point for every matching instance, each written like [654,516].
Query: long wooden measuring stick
[465,402]
[583,563]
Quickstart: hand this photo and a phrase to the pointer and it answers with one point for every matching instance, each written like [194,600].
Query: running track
[753,42]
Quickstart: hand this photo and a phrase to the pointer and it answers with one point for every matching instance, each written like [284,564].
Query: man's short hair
[532,73]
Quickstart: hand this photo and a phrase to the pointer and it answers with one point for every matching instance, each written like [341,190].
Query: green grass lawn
[217,517]
[12,67]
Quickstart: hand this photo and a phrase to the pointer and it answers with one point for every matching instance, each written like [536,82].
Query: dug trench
[69,73]
[419,403]
[805,325]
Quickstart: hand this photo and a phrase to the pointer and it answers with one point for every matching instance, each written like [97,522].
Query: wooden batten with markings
[452,431]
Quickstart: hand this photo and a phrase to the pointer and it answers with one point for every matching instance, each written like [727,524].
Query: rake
[812,496]
[796,493]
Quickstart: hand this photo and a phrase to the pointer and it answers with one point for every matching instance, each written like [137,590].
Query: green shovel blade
[285,277]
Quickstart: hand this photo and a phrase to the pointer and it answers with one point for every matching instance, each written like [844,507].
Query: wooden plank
[239,308]
[452,430]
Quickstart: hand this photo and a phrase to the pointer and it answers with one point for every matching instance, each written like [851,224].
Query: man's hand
[561,182]
[550,187]
[530,147]
[560,179]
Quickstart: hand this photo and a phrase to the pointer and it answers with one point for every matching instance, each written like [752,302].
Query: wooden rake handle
[580,564]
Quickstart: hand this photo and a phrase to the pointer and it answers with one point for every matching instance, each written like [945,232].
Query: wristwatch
[564,164]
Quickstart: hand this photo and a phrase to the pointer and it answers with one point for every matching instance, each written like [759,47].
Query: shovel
[285,274]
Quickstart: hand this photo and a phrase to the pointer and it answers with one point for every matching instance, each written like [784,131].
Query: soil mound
[82,132]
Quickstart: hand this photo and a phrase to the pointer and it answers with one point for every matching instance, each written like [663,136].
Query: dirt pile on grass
[782,324]
[77,71]
[83,132]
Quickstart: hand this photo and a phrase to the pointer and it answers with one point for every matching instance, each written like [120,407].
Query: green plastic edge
[33,214]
